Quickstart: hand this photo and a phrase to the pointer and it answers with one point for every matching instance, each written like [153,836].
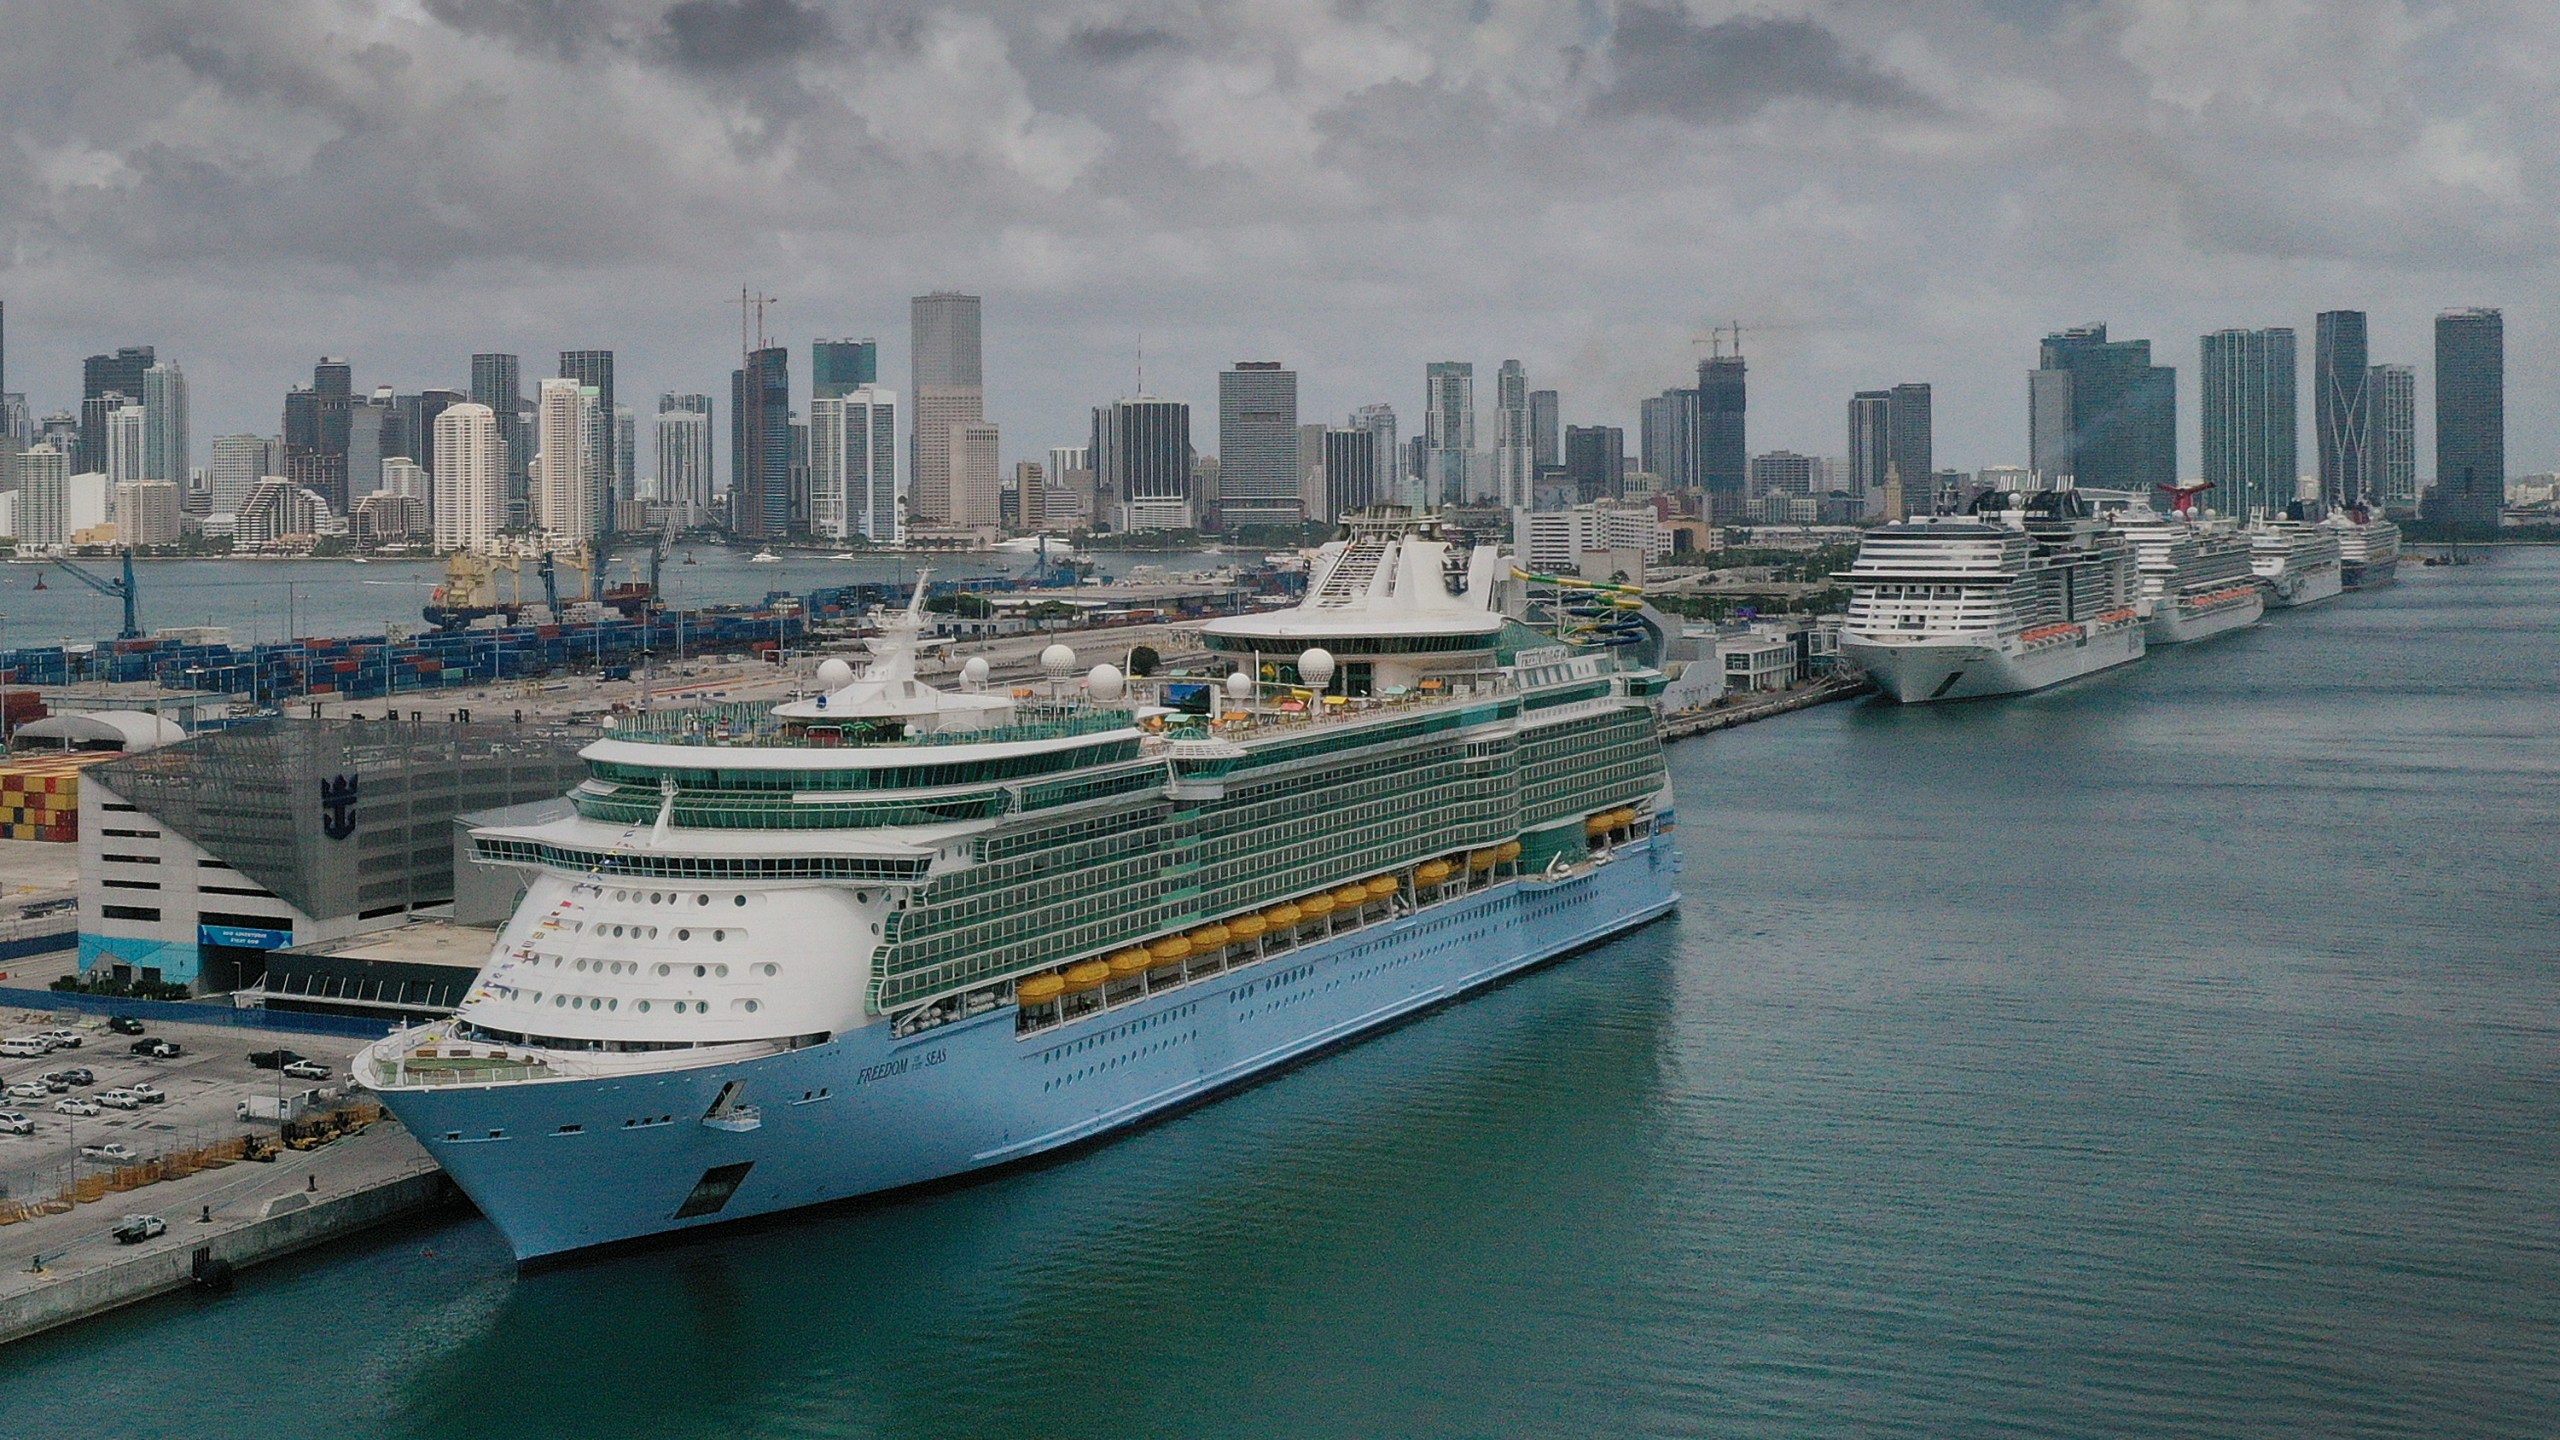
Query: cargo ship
[892,933]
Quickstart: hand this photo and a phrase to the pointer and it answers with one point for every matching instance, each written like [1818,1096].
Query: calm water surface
[2174,1055]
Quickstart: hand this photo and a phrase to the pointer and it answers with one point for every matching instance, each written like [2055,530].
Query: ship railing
[454,1072]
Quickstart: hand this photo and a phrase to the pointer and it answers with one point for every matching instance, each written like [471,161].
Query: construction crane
[124,590]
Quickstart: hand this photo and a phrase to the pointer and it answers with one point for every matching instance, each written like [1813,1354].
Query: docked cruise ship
[2028,591]
[892,933]
[2195,569]
[2298,559]
[2368,549]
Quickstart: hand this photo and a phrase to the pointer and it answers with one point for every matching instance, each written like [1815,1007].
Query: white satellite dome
[1104,682]
[834,674]
[1240,685]
[1315,666]
[1057,660]
[974,674]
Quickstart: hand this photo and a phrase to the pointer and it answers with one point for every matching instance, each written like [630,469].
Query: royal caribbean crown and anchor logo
[338,807]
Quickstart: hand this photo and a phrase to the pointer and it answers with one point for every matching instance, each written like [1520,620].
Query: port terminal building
[203,863]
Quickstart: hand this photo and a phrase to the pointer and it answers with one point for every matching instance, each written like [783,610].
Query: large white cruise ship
[2197,578]
[889,934]
[2298,559]
[2028,591]
[2368,548]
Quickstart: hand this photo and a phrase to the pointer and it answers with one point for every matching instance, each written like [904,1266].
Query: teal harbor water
[2176,1054]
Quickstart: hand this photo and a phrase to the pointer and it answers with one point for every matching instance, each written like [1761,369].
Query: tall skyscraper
[126,433]
[1350,472]
[1723,464]
[1595,457]
[497,381]
[1448,430]
[1393,485]
[1142,463]
[165,453]
[2341,414]
[1515,463]
[1258,465]
[1546,429]
[977,475]
[44,483]
[1870,442]
[470,486]
[1667,437]
[1784,472]
[2101,413]
[2391,391]
[239,463]
[118,373]
[614,464]
[947,378]
[565,469]
[1912,442]
[2471,419]
[853,464]
[2249,421]
[760,445]
[684,454]
[840,367]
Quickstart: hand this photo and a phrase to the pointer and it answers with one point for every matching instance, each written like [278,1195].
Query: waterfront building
[164,406]
[1870,442]
[239,463]
[1259,462]
[684,454]
[146,512]
[1625,536]
[2471,419]
[853,465]
[947,379]
[1722,467]
[44,485]
[2341,407]
[565,469]
[837,368]
[977,478]
[278,511]
[470,494]
[126,432]
[941,411]
[1350,472]
[760,445]
[2249,422]
[373,431]
[2100,414]
[418,424]
[497,381]
[107,383]
[404,476]
[612,474]
[217,852]
[2391,393]
[1143,463]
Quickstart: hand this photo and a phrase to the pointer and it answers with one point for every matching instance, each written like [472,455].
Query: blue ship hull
[561,1166]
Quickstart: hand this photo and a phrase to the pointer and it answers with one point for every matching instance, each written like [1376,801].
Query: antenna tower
[751,308]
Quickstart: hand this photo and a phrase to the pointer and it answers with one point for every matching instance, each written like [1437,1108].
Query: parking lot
[205,1085]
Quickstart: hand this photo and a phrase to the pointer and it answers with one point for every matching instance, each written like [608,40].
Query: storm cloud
[1878,190]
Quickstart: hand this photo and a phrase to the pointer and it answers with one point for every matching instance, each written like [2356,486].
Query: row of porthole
[668,897]
[607,1002]
[612,967]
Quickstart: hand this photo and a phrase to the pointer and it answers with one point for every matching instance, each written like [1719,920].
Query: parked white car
[74,1105]
[62,1039]
[16,1122]
[112,1151]
[28,1090]
[120,1099]
[21,1047]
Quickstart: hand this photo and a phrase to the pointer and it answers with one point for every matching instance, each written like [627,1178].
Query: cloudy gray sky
[1913,190]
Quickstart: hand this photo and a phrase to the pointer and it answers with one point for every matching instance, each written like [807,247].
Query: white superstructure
[2368,549]
[2298,559]
[2195,568]
[2028,591]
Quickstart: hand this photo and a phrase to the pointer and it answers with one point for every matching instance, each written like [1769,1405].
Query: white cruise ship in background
[2195,567]
[2027,591]
[2299,559]
[2368,548]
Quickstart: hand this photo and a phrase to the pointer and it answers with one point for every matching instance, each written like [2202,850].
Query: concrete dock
[63,1264]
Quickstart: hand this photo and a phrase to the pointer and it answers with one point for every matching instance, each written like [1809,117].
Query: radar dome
[1315,666]
[974,674]
[1104,683]
[1057,660]
[834,674]
[1240,686]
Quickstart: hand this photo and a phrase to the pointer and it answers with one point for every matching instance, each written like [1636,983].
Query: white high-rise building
[125,435]
[44,478]
[470,503]
[853,465]
[403,476]
[565,472]
[1395,482]
[1448,430]
[1515,463]
[165,454]
[684,454]
[239,463]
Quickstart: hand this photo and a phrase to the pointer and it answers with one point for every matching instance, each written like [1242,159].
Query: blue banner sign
[240,937]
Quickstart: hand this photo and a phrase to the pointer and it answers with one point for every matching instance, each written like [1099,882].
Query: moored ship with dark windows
[893,933]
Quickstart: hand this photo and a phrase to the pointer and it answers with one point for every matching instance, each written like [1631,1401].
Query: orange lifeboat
[1131,962]
[1481,860]
[1169,949]
[1316,907]
[1351,897]
[1381,887]
[1039,990]
[1247,927]
[1208,937]
[1283,916]
[1507,852]
[1432,872]
[1087,975]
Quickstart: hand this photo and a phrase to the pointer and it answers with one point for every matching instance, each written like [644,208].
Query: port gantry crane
[124,590]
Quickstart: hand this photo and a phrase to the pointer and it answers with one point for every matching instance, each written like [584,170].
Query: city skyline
[1789,223]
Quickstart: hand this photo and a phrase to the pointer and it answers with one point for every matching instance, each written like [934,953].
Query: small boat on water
[764,557]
